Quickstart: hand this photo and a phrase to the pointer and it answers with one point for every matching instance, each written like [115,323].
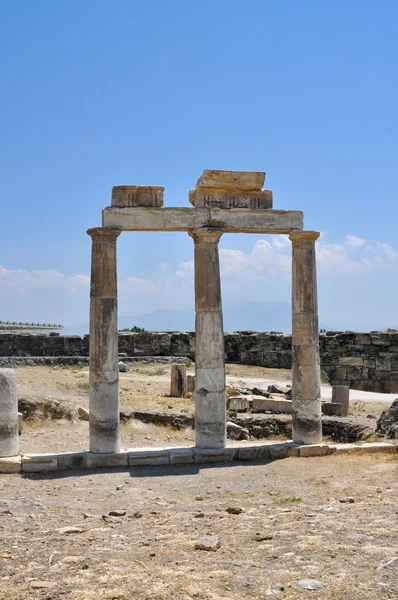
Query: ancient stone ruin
[223,202]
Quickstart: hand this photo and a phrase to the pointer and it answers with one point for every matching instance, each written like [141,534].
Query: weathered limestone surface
[9,437]
[137,195]
[341,395]
[104,371]
[178,384]
[306,382]
[234,220]
[210,402]
[239,180]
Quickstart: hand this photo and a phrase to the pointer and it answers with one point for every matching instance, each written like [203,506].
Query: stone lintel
[137,195]
[304,236]
[234,220]
[238,180]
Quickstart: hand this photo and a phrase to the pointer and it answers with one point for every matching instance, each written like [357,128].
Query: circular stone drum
[9,437]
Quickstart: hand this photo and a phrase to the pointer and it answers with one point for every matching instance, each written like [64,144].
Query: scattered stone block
[238,403]
[388,421]
[20,423]
[178,387]
[271,404]
[341,395]
[124,196]
[69,530]
[83,413]
[237,432]
[209,543]
[310,584]
[122,367]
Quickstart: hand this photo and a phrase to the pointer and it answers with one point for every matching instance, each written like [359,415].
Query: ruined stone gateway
[223,202]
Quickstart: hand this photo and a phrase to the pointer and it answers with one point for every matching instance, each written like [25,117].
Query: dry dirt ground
[292,526]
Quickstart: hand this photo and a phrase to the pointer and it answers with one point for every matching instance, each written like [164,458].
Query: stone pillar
[341,395]
[210,404]
[104,370]
[9,435]
[306,381]
[178,384]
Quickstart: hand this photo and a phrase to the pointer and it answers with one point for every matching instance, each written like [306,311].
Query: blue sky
[99,93]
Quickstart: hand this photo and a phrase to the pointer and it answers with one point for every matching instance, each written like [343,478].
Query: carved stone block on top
[137,195]
[231,189]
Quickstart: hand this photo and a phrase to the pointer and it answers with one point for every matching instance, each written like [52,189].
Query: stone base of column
[104,417]
[210,419]
[306,405]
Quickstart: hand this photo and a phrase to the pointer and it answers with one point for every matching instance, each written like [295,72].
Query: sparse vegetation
[83,386]
[291,500]
[153,373]
[134,329]
[324,377]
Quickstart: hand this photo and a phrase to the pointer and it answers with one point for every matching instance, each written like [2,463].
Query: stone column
[306,381]
[210,405]
[104,371]
[9,435]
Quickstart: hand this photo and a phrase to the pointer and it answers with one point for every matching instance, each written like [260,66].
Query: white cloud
[353,241]
[133,285]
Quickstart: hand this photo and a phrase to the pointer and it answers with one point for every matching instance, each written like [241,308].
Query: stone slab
[211,455]
[369,448]
[71,460]
[261,404]
[180,456]
[284,450]
[37,463]
[183,219]
[240,180]
[12,464]
[314,450]
[147,456]
[93,460]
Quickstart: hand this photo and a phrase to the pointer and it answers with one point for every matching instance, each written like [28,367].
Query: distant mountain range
[256,316]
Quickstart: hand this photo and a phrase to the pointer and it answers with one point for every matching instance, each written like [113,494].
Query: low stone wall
[365,361]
